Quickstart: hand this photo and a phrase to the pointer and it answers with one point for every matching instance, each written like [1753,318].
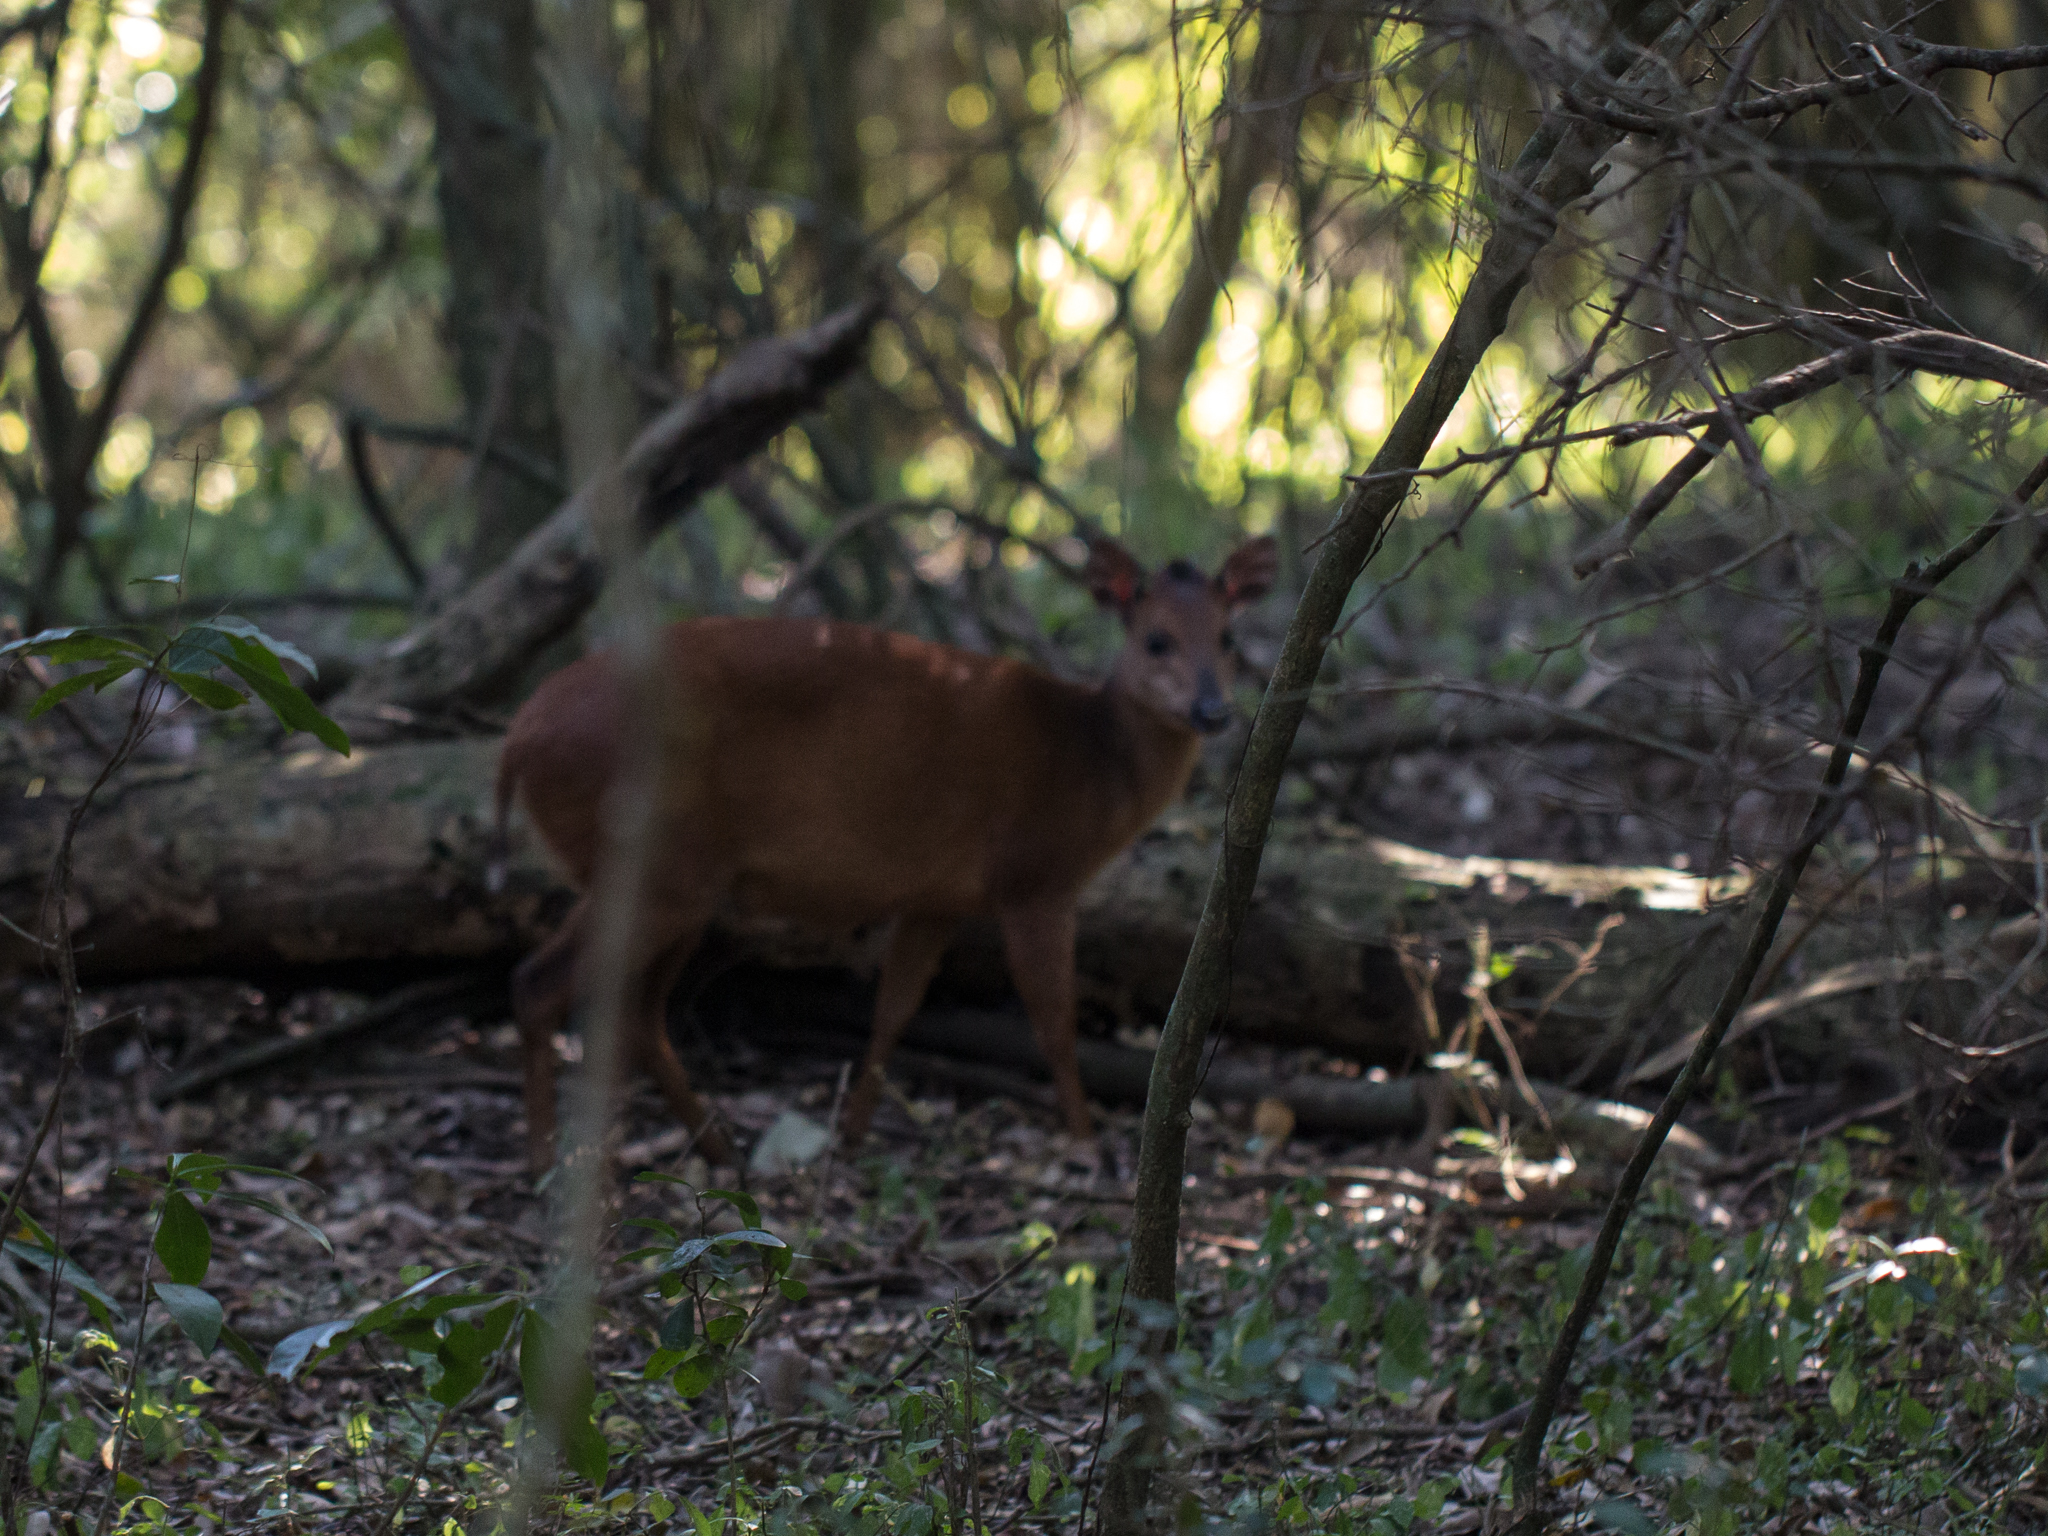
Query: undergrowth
[1846,1350]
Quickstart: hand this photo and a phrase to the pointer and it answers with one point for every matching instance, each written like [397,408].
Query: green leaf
[466,1348]
[692,1249]
[282,1213]
[182,1241]
[1404,1343]
[1915,1417]
[793,1290]
[660,1229]
[563,1392]
[28,1400]
[65,1269]
[1749,1359]
[293,1349]
[2030,1375]
[679,1327]
[171,579]
[692,1376]
[250,635]
[739,1200]
[660,1363]
[725,1327]
[68,645]
[209,691]
[687,1253]
[199,648]
[42,1452]
[585,1449]
[242,1349]
[198,1313]
[1625,1516]
[197,1167]
[57,693]
[287,700]
[1842,1393]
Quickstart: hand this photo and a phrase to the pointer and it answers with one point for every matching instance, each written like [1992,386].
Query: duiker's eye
[1158,643]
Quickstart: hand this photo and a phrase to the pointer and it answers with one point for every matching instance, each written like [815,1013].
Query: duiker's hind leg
[653,1051]
[543,994]
[915,950]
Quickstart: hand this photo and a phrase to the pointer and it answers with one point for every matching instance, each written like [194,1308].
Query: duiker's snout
[1211,711]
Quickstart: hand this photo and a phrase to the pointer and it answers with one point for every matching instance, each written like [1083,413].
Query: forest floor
[1360,1334]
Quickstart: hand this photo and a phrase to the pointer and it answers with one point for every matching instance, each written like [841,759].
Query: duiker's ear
[1114,575]
[1249,574]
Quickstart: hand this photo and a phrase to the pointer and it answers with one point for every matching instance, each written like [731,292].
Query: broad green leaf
[1749,1359]
[198,1313]
[687,1253]
[28,1401]
[1843,1392]
[249,634]
[1915,1417]
[1040,1481]
[293,1349]
[242,1349]
[563,1391]
[1625,1516]
[692,1376]
[182,1241]
[748,1207]
[690,1250]
[1404,1343]
[96,679]
[69,645]
[751,1235]
[585,1449]
[211,692]
[281,1212]
[199,648]
[288,701]
[2030,1374]
[65,1269]
[203,1169]
[42,1452]
[679,1327]
[660,1363]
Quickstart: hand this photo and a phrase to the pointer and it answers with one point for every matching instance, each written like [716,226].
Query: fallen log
[261,865]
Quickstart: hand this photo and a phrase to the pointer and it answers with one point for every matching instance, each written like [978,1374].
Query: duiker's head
[1178,656]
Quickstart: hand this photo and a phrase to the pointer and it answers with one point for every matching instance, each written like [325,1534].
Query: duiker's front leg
[1038,942]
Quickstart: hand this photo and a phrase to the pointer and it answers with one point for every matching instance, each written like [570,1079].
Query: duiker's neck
[1154,751]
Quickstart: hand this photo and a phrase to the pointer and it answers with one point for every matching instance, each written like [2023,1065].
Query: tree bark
[476,60]
[1258,141]
[1554,170]
[1258,133]
[72,433]
[262,864]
